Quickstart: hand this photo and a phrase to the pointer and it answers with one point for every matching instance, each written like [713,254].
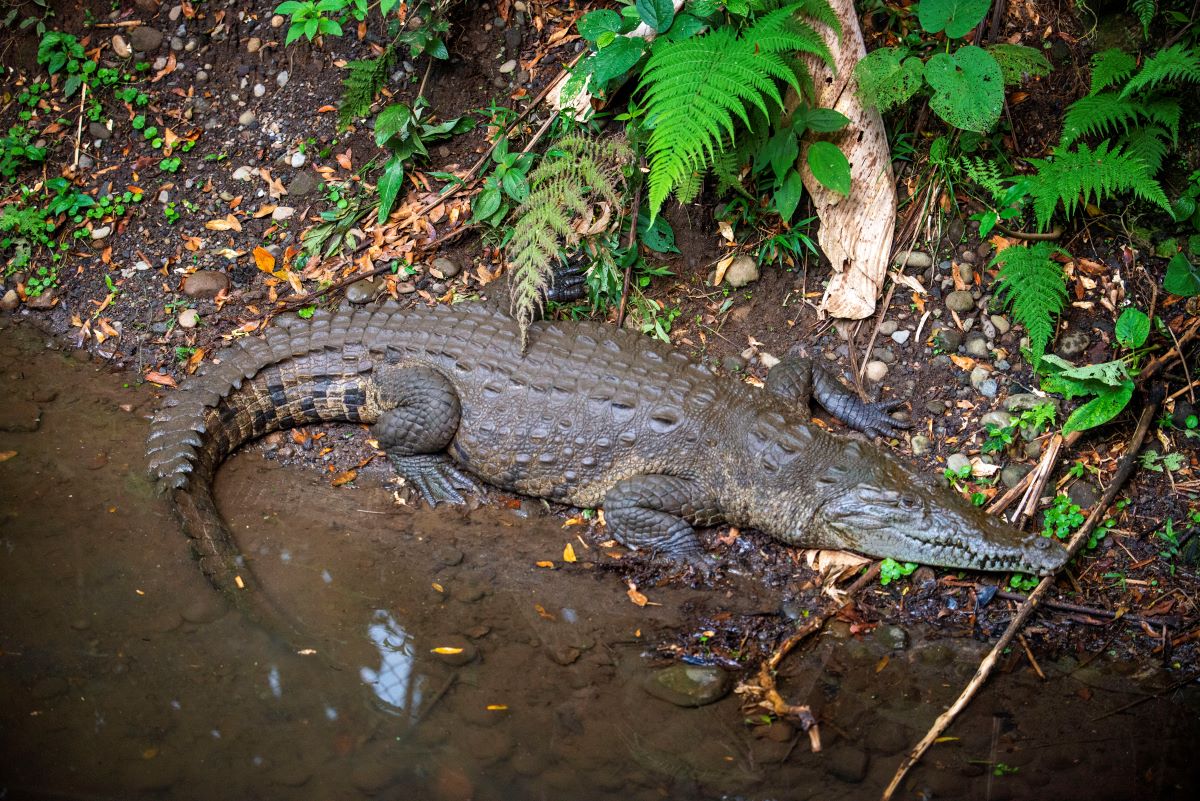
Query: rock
[1179,418]
[960,301]
[205,284]
[1001,322]
[243,173]
[101,231]
[10,301]
[888,327]
[999,419]
[86,162]
[508,66]
[259,90]
[978,376]
[901,336]
[1023,401]
[297,160]
[304,183]
[936,406]
[989,388]
[743,271]
[977,345]
[949,339]
[120,47]
[891,637]
[246,119]
[1033,449]
[876,371]
[967,273]
[19,416]
[688,685]
[281,80]
[188,318]
[1011,475]
[99,130]
[733,363]
[957,461]
[361,292]
[253,44]
[918,260]
[1083,493]
[282,213]
[446,268]
[920,444]
[42,302]
[884,355]
[1072,344]
[145,39]
[848,763]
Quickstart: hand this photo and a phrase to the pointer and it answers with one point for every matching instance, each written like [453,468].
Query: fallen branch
[1078,609]
[766,690]
[1128,462]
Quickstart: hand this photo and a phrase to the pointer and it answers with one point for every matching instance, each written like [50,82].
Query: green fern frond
[1075,176]
[688,189]
[698,90]
[575,171]
[1099,115]
[1175,63]
[1110,67]
[1148,145]
[1166,112]
[1144,11]
[984,172]
[1031,283]
[361,86]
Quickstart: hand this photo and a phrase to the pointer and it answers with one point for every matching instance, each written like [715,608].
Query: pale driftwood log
[856,231]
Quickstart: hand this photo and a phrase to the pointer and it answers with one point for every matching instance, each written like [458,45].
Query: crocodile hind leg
[420,414]
[796,379]
[656,513]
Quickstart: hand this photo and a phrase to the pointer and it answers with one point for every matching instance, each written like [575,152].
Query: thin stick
[1079,609]
[1159,362]
[630,242]
[79,126]
[1044,469]
[1187,374]
[1128,462]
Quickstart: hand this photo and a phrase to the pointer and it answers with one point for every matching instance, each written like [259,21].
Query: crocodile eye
[909,502]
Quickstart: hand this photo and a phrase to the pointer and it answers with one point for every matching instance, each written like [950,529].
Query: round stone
[998,419]
[977,345]
[1002,324]
[920,444]
[949,339]
[989,388]
[888,327]
[10,301]
[960,301]
[205,284]
[876,371]
[360,292]
[297,160]
[1072,344]
[188,318]
[743,271]
[145,39]
[958,462]
[447,268]
[281,79]
[902,336]
[688,685]
[1011,475]
[246,119]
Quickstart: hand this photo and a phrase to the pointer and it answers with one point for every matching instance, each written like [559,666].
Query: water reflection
[396,686]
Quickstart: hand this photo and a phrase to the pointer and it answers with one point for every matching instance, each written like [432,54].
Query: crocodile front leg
[796,379]
[420,416]
[656,513]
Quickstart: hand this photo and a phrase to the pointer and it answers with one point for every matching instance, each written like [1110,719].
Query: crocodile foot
[873,419]
[434,477]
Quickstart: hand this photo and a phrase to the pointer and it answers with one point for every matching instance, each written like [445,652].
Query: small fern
[1144,11]
[1031,283]
[697,90]
[1172,64]
[1110,67]
[1076,176]
[574,170]
[361,86]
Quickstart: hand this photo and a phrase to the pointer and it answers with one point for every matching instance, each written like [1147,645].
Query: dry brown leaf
[635,596]
[162,379]
[964,362]
[227,223]
[345,160]
[6,455]
[722,266]
[344,478]
[264,211]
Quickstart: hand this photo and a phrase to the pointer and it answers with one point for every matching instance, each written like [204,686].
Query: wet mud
[448,664]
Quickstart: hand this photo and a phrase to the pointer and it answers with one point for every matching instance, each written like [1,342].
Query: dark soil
[134,323]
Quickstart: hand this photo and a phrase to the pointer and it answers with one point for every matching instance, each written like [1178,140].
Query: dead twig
[1045,467]
[1128,462]
[630,242]
[1079,609]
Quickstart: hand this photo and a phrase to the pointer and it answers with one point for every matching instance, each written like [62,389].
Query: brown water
[124,676]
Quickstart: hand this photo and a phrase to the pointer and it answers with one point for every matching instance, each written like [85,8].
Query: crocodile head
[889,511]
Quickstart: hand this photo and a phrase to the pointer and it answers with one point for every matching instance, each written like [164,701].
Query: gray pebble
[99,130]
[1083,493]
[688,685]
[508,66]
[989,388]
[1072,344]
[884,355]
[999,419]
[188,318]
[1022,401]
[361,292]
[876,371]
[957,461]
[888,327]
[967,273]
[936,406]
[101,232]
[1001,322]
[281,79]
[448,268]
[918,260]
[977,346]
[960,301]
[145,39]
[920,444]
[978,376]
[949,339]
[246,119]
[259,90]
[902,336]
[1011,475]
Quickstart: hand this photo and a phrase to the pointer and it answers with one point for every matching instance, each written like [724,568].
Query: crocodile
[585,415]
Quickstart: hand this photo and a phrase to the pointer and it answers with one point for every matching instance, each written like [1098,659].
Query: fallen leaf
[635,596]
[162,379]
[6,455]
[569,553]
[438,587]
[722,266]
[497,707]
[227,223]
[964,362]
[446,650]
[344,160]
[542,613]
[326,109]
[344,478]
[264,210]
[264,260]
[545,563]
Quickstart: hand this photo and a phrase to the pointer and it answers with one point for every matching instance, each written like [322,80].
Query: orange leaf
[497,707]
[545,563]
[343,160]
[344,478]
[326,109]
[264,260]
[569,553]
[964,362]
[542,613]
[264,211]
[162,379]
[446,650]
[6,455]
[636,596]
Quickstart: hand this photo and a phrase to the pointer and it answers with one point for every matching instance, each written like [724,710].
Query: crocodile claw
[434,478]
[874,420]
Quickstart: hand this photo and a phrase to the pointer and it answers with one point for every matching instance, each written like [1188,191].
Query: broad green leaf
[1113,373]
[788,195]
[830,166]
[658,14]
[968,89]
[515,186]
[486,203]
[616,59]
[659,236]
[392,120]
[1099,410]
[594,23]
[888,77]
[825,120]
[288,8]
[1017,61]
[956,17]
[294,32]
[1182,278]
[390,184]
[685,26]
[437,49]
[386,6]
[1133,327]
